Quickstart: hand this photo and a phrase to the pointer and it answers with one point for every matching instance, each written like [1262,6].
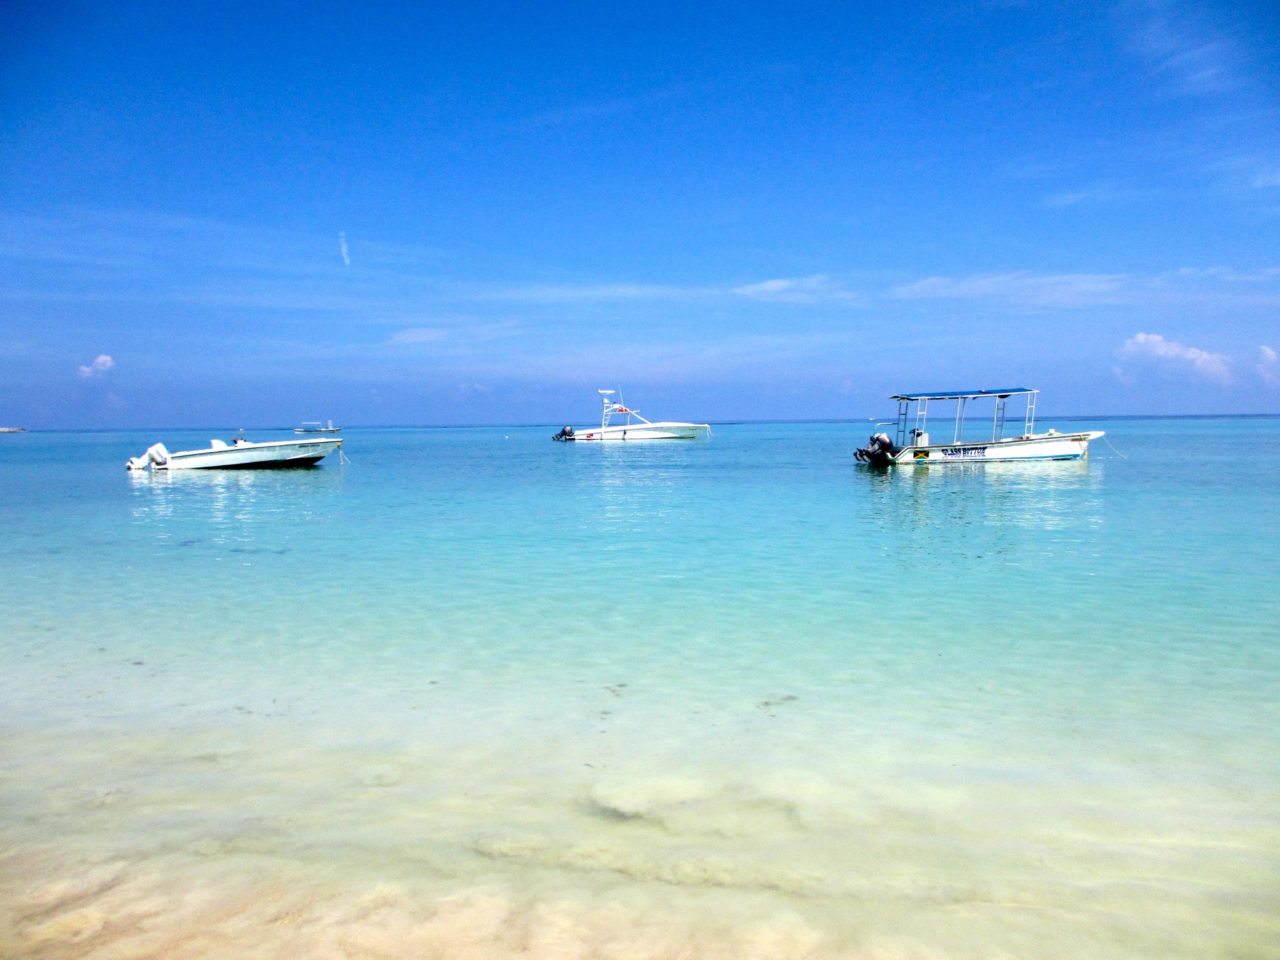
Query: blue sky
[252,214]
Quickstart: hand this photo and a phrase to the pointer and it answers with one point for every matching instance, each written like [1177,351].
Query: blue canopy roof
[963,394]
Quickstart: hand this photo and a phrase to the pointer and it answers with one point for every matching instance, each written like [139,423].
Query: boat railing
[619,406]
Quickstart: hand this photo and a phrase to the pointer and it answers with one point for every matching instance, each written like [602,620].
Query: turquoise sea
[474,694]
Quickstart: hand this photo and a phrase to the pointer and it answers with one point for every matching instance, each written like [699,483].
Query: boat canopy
[963,394]
[919,404]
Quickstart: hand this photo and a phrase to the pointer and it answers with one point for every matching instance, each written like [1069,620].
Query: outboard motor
[566,433]
[878,451]
[155,456]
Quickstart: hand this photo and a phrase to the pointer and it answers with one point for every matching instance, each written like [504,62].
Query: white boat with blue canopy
[633,427]
[912,445]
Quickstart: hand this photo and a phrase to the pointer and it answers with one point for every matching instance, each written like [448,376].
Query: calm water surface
[476,694]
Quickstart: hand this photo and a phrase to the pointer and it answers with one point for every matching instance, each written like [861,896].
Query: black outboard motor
[878,452]
[566,433]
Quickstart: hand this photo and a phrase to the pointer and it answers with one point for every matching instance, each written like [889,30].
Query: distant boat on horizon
[13,429]
[315,426]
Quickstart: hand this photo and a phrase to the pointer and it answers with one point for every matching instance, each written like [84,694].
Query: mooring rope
[1113,447]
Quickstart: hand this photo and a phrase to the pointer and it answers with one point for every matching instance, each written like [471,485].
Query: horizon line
[17,431]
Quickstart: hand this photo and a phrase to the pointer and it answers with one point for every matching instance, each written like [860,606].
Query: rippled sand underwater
[372,713]
[330,850]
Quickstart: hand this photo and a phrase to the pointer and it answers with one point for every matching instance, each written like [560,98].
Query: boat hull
[253,456]
[642,431]
[1045,446]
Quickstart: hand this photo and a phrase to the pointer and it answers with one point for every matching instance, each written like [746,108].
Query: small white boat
[913,446]
[635,428]
[315,426]
[239,454]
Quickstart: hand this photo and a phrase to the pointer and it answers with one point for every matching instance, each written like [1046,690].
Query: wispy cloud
[151,258]
[589,111]
[1260,275]
[1217,285]
[1021,288]
[1152,346]
[1191,54]
[1072,198]
[818,288]
[420,335]
[461,332]
[343,249]
[1268,366]
[119,257]
[1090,196]
[589,292]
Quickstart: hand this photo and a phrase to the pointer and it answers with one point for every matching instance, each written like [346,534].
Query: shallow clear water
[476,694]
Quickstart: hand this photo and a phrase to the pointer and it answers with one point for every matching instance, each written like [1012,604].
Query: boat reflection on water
[637,487]
[228,505]
[1047,495]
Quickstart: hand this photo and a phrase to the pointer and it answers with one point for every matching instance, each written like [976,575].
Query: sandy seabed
[269,837]
[246,907]
[639,870]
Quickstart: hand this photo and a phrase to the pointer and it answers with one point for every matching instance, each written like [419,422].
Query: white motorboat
[914,447]
[239,454]
[315,426]
[636,427]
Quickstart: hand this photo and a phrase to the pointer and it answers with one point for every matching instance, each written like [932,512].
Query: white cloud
[1268,365]
[100,365]
[343,249]
[1152,346]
